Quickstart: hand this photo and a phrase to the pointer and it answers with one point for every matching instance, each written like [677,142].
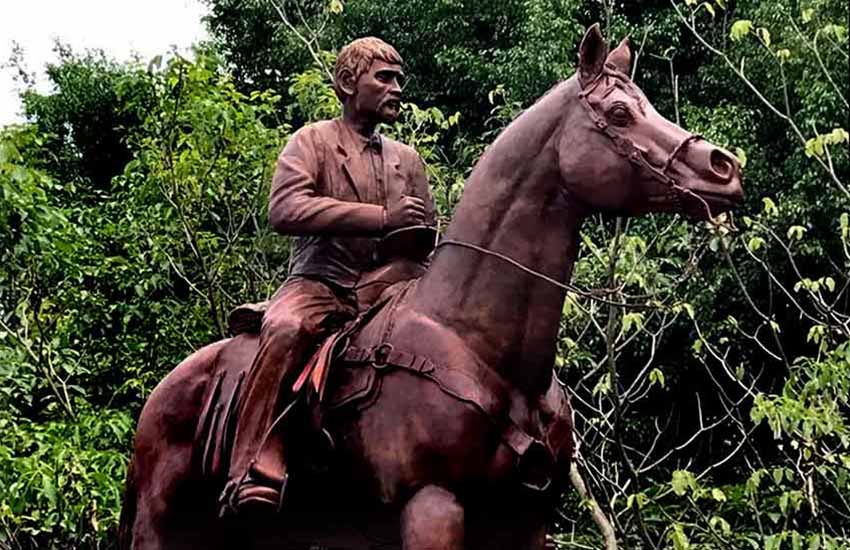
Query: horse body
[413,438]
[422,467]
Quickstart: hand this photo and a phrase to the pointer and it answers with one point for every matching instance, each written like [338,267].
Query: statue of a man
[338,187]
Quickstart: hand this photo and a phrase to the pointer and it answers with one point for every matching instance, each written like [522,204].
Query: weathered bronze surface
[459,437]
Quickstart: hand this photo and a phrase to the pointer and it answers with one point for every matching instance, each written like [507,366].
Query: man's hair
[358,56]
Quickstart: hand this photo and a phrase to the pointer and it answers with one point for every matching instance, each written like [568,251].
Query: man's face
[378,96]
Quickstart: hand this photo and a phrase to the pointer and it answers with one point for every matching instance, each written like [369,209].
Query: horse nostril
[722,164]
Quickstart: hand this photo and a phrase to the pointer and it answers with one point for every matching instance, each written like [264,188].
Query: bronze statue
[450,431]
[338,186]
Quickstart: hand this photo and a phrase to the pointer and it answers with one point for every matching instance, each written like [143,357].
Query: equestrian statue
[394,394]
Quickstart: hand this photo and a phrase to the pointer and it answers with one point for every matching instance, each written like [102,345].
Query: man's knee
[283,326]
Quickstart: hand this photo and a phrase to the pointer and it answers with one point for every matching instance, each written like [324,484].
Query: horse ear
[621,57]
[591,55]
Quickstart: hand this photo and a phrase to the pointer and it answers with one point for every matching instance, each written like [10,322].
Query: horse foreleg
[172,514]
[432,520]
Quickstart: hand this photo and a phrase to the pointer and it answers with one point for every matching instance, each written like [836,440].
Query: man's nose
[395,87]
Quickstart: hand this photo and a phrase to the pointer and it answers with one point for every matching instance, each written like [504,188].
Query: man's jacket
[330,189]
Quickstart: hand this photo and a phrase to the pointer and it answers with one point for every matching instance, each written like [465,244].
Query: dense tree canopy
[711,385]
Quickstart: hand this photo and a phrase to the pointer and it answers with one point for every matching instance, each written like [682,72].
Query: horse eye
[620,115]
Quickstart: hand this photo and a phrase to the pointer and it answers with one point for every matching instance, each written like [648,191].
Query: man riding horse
[339,186]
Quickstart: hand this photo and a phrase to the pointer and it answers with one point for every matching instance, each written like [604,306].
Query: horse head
[618,154]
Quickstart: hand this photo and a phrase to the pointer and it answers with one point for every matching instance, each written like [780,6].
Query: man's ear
[591,55]
[347,83]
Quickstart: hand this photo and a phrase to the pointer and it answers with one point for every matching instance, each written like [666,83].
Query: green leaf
[764,36]
[656,376]
[718,495]
[604,384]
[638,499]
[816,334]
[631,320]
[678,538]
[755,243]
[335,7]
[784,54]
[740,29]
[836,136]
[718,522]
[815,146]
[769,206]
[683,481]
[796,232]
[807,14]
[830,283]
[697,345]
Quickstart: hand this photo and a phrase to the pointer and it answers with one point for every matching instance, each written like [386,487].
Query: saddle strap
[484,389]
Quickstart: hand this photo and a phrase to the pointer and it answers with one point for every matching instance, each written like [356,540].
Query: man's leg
[290,327]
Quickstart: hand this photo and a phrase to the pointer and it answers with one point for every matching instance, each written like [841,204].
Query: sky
[119,27]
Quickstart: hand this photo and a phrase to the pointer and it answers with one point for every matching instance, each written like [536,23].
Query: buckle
[380,355]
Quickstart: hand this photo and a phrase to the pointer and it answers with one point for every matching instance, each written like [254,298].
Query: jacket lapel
[346,150]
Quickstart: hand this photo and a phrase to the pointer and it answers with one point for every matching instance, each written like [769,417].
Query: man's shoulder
[318,130]
[404,151]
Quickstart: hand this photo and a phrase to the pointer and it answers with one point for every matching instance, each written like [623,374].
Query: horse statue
[453,432]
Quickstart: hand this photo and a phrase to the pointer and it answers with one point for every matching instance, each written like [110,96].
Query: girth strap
[483,389]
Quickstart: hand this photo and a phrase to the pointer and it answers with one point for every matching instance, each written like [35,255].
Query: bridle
[625,147]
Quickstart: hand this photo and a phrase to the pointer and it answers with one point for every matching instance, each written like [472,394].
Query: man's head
[368,79]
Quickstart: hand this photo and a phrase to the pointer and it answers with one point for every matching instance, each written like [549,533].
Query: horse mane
[529,120]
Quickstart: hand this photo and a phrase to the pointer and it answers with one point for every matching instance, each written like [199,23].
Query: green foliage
[84,125]
[472,47]
[99,299]
[60,482]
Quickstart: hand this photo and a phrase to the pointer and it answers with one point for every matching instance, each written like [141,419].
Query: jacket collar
[350,143]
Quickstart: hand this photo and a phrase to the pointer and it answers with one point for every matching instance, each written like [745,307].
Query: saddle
[344,376]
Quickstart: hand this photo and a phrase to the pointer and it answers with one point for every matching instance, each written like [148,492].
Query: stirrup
[251,493]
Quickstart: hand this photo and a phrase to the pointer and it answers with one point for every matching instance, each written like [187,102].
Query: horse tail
[128,509]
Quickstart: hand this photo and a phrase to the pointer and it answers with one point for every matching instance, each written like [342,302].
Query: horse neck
[513,204]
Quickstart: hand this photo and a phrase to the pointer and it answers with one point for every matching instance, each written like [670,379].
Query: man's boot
[262,487]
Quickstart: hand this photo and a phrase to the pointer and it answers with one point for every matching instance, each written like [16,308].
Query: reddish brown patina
[452,433]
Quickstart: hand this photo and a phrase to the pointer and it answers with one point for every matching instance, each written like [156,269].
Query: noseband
[626,147]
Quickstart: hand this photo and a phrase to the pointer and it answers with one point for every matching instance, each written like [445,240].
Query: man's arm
[297,208]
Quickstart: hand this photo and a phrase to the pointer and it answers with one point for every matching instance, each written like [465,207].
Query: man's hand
[407,211]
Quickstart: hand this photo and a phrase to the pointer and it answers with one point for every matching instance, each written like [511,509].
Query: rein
[481,249]
[594,295]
